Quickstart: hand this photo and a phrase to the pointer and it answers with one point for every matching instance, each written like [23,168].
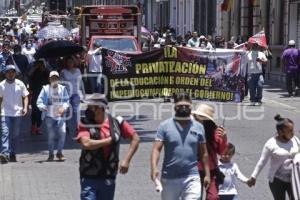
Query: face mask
[90,115]
[183,113]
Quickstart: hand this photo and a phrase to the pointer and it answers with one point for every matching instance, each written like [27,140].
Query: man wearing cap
[53,101]
[14,104]
[99,135]
[255,60]
[184,142]
[94,63]
[291,59]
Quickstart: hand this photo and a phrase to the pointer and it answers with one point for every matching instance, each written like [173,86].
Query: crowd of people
[197,154]
[192,141]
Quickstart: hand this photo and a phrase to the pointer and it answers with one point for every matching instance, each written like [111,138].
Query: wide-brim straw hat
[205,111]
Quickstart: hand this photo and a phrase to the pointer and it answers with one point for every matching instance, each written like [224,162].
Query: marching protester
[21,63]
[94,63]
[216,142]
[291,59]
[38,77]
[184,144]
[72,76]
[14,105]
[255,59]
[29,51]
[53,101]
[280,150]
[99,135]
[194,41]
[231,171]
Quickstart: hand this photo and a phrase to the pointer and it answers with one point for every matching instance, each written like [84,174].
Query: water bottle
[158,185]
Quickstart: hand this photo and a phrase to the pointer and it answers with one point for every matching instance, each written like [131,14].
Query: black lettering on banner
[170,70]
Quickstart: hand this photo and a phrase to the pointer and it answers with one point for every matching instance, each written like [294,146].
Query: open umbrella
[59,48]
[53,31]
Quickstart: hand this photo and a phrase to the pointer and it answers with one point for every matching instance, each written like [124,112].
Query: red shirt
[127,131]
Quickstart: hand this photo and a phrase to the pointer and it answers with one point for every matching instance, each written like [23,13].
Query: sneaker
[33,130]
[259,103]
[12,158]
[38,131]
[50,158]
[4,159]
[167,99]
[252,104]
[60,157]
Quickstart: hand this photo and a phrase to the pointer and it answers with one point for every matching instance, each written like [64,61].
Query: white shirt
[94,61]
[255,67]
[278,153]
[74,78]
[12,94]
[231,171]
[29,53]
[209,46]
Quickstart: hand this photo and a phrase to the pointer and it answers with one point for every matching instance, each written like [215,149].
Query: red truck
[115,27]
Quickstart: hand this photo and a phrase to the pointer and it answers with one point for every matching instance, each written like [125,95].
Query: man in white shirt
[14,104]
[29,52]
[255,59]
[94,62]
[53,101]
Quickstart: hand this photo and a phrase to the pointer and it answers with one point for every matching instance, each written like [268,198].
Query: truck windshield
[118,44]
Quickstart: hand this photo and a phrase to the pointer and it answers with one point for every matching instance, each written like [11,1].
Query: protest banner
[216,75]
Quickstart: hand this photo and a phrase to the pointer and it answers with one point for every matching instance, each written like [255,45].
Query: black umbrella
[59,48]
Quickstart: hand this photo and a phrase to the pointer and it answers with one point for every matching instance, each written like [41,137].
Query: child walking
[227,190]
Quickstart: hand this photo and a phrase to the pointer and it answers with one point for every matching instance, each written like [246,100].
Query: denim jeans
[228,197]
[73,121]
[97,189]
[255,85]
[188,188]
[290,79]
[10,129]
[96,83]
[55,128]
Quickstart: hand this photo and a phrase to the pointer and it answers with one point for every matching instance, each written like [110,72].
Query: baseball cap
[10,67]
[96,99]
[292,42]
[53,73]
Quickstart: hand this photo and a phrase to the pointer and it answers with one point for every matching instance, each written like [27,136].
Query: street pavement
[32,178]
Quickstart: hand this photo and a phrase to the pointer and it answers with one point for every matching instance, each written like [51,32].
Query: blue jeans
[255,85]
[73,121]
[10,129]
[97,189]
[95,82]
[55,128]
[228,197]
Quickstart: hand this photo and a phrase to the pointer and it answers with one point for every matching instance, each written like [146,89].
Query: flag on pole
[259,38]
[226,5]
